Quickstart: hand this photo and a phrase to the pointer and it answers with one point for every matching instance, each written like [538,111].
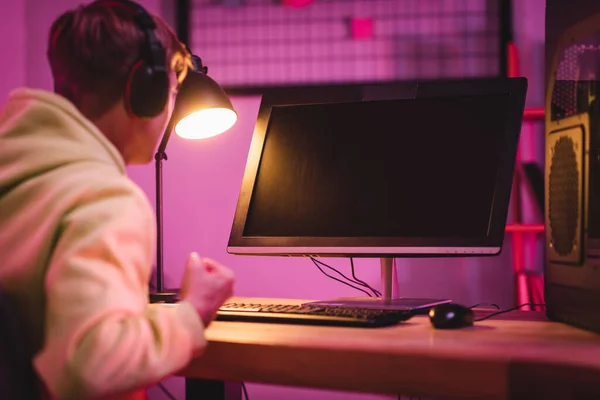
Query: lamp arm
[158,159]
[165,139]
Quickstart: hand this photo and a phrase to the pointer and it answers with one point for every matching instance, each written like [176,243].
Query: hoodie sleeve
[102,337]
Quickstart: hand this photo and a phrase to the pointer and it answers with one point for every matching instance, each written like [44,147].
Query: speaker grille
[563,193]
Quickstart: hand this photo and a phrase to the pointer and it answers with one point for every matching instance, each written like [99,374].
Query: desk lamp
[202,109]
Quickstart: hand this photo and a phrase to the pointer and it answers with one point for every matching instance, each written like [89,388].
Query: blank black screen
[397,168]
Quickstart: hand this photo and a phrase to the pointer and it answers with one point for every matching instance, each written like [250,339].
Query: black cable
[361,282]
[245,391]
[485,303]
[508,310]
[354,280]
[166,392]
[317,262]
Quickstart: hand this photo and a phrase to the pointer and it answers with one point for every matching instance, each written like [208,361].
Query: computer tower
[572,167]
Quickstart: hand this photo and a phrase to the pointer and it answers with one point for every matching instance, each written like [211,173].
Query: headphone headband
[155,51]
[147,89]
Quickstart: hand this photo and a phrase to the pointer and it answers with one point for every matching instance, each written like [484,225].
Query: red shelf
[534,113]
[526,290]
[533,228]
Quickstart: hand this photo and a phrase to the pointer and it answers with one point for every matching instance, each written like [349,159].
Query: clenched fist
[206,284]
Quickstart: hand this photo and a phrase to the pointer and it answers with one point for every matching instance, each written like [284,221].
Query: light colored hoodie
[77,240]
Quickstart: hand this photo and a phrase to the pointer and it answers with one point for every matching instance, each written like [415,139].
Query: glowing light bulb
[206,123]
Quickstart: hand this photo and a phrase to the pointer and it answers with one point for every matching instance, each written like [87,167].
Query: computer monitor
[424,177]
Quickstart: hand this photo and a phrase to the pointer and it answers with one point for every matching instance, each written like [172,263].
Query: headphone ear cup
[147,90]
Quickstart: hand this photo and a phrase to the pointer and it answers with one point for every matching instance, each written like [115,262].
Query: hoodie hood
[41,131]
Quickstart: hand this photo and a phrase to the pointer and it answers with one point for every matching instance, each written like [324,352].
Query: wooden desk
[518,355]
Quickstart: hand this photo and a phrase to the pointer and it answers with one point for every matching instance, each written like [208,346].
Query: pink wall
[24,26]
[12,45]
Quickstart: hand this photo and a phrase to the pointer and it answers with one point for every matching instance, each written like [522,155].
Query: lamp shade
[202,108]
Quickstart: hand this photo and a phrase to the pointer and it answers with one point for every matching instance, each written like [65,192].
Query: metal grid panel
[263,42]
[576,79]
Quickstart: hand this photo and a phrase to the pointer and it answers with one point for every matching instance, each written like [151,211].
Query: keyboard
[310,315]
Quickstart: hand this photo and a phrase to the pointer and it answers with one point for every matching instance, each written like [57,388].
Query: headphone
[147,88]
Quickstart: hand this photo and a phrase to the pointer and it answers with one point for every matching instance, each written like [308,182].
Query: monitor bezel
[387,246]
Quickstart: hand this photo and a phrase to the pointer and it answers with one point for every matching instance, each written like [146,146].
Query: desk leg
[202,389]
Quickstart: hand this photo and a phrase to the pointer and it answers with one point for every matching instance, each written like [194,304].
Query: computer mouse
[451,316]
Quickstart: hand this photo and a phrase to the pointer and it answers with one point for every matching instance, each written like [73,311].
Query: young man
[77,237]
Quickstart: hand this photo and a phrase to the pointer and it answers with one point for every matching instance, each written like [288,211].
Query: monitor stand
[387,301]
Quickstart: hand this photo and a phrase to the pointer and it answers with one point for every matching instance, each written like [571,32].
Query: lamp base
[165,297]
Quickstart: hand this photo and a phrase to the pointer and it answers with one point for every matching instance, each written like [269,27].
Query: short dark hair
[92,48]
